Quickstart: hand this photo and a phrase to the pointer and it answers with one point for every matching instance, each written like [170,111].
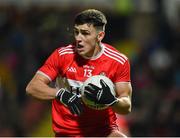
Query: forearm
[123,106]
[41,90]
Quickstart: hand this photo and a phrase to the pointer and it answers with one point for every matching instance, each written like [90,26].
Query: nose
[78,38]
[78,35]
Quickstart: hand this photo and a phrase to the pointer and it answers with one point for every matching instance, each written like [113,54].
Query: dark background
[147,31]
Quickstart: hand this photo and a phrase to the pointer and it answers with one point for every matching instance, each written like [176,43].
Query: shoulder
[114,54]
[66,50]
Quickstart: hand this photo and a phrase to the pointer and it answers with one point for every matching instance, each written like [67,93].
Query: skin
[87,39]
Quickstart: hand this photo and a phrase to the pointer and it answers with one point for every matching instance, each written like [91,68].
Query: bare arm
[38,88]
[124,92]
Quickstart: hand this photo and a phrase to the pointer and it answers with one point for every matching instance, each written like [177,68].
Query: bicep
[40,78]
[38,87]
[123,89]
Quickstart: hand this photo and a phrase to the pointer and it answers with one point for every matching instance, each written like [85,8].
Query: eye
[76,32]
[85,33]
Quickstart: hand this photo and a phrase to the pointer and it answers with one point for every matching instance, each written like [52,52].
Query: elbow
[123,110]
[29,89]
[126,110]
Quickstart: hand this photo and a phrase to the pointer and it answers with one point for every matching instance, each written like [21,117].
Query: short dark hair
[91,16]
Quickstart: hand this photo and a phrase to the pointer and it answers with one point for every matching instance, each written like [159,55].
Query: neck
[95,52]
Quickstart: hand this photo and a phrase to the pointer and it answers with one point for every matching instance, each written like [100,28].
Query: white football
[96,81]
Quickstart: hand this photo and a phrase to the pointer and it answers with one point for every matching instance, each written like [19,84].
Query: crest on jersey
[102,73]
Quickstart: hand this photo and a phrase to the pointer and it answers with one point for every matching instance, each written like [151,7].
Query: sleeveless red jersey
[66,63]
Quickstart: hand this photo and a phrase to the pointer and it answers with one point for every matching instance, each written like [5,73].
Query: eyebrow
[81,29]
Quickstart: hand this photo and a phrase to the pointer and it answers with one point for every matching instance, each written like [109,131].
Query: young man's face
[86,37]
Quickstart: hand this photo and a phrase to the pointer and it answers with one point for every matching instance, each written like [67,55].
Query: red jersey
[66,63]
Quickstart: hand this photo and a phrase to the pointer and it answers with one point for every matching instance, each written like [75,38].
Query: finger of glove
[72,98]
[99,94]
[64,96]
[71,108]
[103,84]
[94,87]
[89,95]
[75,105]
[78,106]
[89,89]
[75,109]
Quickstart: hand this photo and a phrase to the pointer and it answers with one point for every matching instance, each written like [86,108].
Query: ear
[100,36]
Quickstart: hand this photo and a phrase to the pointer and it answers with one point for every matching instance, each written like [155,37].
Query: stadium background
[147,31]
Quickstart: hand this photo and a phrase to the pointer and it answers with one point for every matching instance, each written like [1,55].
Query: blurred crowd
[27,37]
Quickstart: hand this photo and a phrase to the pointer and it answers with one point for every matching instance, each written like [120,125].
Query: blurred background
[147,31]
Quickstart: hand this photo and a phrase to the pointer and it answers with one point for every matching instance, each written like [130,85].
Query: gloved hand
[71,100]
[100,95]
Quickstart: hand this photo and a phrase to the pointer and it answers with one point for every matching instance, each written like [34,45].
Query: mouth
[79,46]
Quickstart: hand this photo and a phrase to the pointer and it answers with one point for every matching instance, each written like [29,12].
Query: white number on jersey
[87,73]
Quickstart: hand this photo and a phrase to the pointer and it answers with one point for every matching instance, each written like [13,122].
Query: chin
[81,53]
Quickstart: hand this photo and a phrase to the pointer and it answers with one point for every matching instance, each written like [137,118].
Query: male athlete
[73,64]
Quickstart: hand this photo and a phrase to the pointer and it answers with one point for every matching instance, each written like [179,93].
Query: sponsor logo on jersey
[72,69]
